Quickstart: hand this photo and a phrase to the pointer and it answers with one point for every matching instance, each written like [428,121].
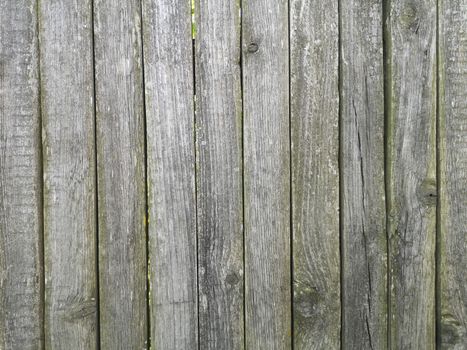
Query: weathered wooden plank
[168,57]
[411,171]
[219,174]
[121,174]
[69,174]
[20,179]
[315,173]
[452,324]
[266,174]
[364,244]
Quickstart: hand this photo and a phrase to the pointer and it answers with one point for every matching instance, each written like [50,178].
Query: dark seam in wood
[365,240]
[368,331]
[146,192]
[387,192]
[41,172]
[193,60]
[340,180]
[290,184]
[96,189]
[243,173]
[438,192]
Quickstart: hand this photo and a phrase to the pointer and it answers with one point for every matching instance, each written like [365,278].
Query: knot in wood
[410,19]
[253,47]
[451,332]
[307,302]
[428,192]
[232,278]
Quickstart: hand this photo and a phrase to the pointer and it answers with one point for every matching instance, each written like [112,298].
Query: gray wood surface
[20,179]
[453,174]
[219,175]
[411,158]
[121,174]
[168,62]
[233,174]
[266,174]
[363,206]
[315,173]
[69,174]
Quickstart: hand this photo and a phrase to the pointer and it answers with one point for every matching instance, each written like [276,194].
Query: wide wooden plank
[121,174]
[363,206]
[69,174]
[452,174]
[411,172]
[20,179]
[219,174]
[168,62]
[266,174]
[315,173]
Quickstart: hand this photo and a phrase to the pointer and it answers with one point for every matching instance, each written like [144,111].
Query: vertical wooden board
[20,179]
[453,174]
[121,174]
[266,174]
[411,170]
[168,58]
[219,174]
[364,245]
[315,173]
[69,174]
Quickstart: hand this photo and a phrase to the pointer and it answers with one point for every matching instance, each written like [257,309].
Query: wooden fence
[233,174]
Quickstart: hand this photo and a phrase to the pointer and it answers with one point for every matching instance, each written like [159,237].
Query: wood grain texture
[453,174]
[121,174]
[411,171]
[20,179]
[69,174]
[315,173]
[266,174]
[219,175]
[168,58]
[364,245]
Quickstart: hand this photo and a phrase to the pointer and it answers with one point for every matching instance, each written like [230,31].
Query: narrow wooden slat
[168,54]
[411,170]
[315,173]
[219,174]
[20,179]
[69,174]
[453,173]
[121,174]
[266,174]
[364,245]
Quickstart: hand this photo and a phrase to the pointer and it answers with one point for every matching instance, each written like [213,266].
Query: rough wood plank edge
[121,174]
[67,90]
[169,86]
[387,49]
[452,175]
[21,271]
[363,205]
[266,174]
[219,174]
[315,173]
[411,135]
